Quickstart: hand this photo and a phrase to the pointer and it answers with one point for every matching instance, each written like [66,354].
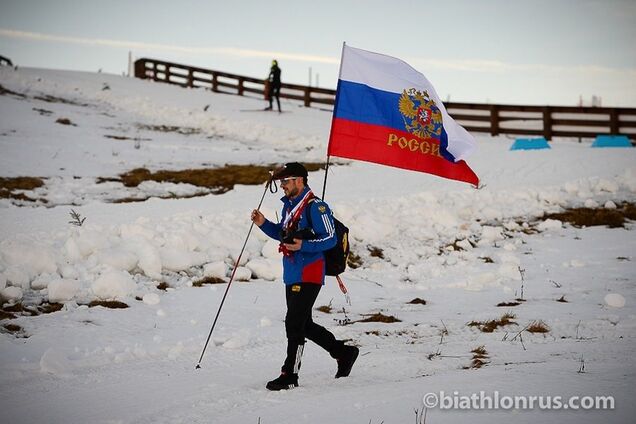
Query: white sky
[499,51]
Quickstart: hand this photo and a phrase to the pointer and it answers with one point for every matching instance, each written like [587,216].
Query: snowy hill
[415,236]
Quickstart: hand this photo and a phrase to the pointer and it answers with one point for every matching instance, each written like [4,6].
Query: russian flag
[386,112]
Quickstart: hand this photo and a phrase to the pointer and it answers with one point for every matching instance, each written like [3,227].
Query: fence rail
[546,121]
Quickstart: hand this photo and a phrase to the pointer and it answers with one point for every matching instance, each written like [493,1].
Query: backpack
[336,257]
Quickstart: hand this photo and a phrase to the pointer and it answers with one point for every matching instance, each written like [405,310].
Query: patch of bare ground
[417,301]
[562,299]
[587,217]
[379,317]
[14,330]
[65,121]
[218,180]
[163,286]
[504,304]
[9,185]
[19,309]
[111,304]
[208,280]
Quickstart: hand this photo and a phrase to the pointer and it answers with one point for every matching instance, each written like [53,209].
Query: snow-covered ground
[462,250]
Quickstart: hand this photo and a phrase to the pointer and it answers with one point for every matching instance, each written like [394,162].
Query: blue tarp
[611,141]
[530,144]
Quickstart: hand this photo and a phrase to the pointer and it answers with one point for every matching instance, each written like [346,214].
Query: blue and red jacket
[306,265]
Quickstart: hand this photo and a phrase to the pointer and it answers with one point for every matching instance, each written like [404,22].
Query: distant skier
[302,243]
[274,85]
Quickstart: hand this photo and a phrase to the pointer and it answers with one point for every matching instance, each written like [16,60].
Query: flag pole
[335,105]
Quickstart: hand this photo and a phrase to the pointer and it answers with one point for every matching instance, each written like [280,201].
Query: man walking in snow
[274,85]
[303,241]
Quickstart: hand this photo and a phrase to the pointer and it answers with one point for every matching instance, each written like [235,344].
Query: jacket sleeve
[271,229]
[323,226]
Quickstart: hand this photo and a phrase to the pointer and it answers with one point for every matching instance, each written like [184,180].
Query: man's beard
[293,192]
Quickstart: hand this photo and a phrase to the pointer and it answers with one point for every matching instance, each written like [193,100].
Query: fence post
[547,123]
[190,78]
[140,69]
[240,86]
[266,89]
[215,82]
[614,129]
[307,96]
[494,120]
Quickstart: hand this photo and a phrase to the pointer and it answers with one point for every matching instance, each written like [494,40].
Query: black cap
[292,169]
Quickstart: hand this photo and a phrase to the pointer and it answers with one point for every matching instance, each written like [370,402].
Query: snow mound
[267,269]
[215,269]
[63,290]
[11,293]
[550,225]
[113,284]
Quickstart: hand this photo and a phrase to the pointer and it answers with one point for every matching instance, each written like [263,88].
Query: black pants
[298,325]
[274,91]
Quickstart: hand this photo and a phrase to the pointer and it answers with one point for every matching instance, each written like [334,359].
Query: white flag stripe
[391,74]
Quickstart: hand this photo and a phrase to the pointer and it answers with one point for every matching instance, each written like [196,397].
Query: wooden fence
[546,121]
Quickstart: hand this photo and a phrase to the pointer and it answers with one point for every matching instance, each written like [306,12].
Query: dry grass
[64,121]
[487,260]
[491,325]
[380,317]
[208,280]
[585,217]
[479,359]
[479,351]
[354,261]
[324,308]
[417,301]
[111,304]
[170,129]
[538,327]
[375,252]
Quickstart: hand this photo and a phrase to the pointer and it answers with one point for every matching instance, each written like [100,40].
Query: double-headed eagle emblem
[422,117]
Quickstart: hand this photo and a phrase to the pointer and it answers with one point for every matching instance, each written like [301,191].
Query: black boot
[284,382]
[346,360]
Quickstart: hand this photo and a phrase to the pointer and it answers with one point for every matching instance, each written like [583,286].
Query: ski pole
[238,260]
